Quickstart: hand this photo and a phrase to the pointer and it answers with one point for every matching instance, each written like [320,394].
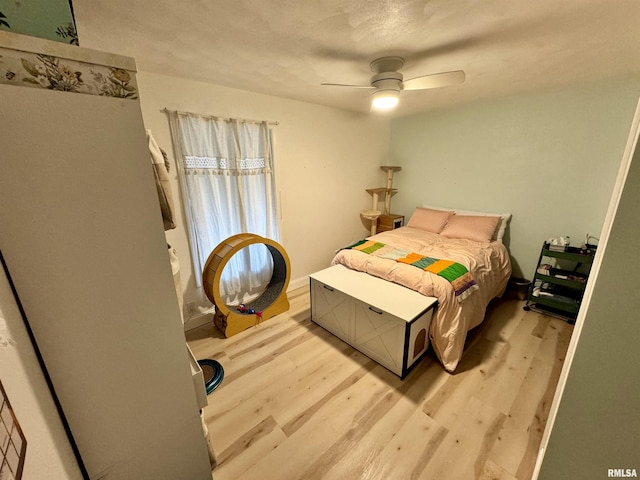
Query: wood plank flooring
[298,403]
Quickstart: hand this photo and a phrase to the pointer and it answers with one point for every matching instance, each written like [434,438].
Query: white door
[379,335]
[333,310]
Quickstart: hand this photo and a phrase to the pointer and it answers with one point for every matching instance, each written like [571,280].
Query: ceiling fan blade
[434,81]
[345,85]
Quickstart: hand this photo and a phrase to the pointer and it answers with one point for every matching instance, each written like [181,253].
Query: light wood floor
[298,403]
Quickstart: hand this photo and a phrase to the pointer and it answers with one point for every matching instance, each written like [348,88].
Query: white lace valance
[212,163]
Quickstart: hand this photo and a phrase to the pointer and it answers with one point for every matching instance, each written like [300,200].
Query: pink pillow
[471,227]
[430,220]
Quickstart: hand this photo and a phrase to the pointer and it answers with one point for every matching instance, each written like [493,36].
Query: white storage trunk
[387,322]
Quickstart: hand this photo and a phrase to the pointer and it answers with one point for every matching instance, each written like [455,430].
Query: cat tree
[376,216]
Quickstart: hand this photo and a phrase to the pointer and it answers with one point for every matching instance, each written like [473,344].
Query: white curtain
[225,167]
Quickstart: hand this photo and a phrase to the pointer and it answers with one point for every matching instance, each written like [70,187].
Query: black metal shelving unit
[560,280]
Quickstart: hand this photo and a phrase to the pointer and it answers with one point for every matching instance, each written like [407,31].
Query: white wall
[325,159]
[549,158]
[49,454]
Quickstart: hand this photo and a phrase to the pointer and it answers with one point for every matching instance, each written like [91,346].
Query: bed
[434,237]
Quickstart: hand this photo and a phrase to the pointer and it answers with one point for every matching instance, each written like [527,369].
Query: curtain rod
[226,119]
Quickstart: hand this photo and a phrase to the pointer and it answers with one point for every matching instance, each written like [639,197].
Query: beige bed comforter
[488,263]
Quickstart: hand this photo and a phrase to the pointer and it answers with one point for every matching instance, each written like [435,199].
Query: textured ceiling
[287,48]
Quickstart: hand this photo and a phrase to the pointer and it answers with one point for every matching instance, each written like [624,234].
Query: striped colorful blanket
[455,273]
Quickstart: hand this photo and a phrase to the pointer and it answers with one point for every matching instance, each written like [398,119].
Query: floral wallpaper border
[53,73]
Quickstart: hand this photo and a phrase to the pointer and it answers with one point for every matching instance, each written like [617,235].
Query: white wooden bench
[387,322]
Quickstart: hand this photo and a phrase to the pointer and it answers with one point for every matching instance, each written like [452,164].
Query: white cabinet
[84,247]
[385,321]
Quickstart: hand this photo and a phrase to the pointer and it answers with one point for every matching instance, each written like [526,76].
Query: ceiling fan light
[384,100]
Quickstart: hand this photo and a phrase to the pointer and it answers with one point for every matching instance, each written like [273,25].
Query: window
[225,167]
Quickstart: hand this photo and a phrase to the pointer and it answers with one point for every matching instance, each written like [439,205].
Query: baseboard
[298,283]
[203,318]
[199,319]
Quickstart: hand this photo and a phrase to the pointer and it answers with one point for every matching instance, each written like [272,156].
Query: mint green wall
[597,426]
[549,158]
[50,19]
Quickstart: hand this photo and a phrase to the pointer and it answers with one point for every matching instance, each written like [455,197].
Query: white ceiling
[287,48]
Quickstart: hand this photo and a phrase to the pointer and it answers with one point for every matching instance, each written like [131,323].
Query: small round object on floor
[213,374]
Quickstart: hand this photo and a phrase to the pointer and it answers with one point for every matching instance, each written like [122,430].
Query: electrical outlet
[191,308]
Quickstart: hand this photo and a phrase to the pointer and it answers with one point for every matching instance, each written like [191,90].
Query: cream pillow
[472,227]
[429,219]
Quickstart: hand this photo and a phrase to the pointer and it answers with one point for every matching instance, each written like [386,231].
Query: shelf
[559,302]
[381,190]
[549,310]
[559,298]
[560,289]
[573,254]
[561,281]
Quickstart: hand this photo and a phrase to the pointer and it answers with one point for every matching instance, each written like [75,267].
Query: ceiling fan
[387,82]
